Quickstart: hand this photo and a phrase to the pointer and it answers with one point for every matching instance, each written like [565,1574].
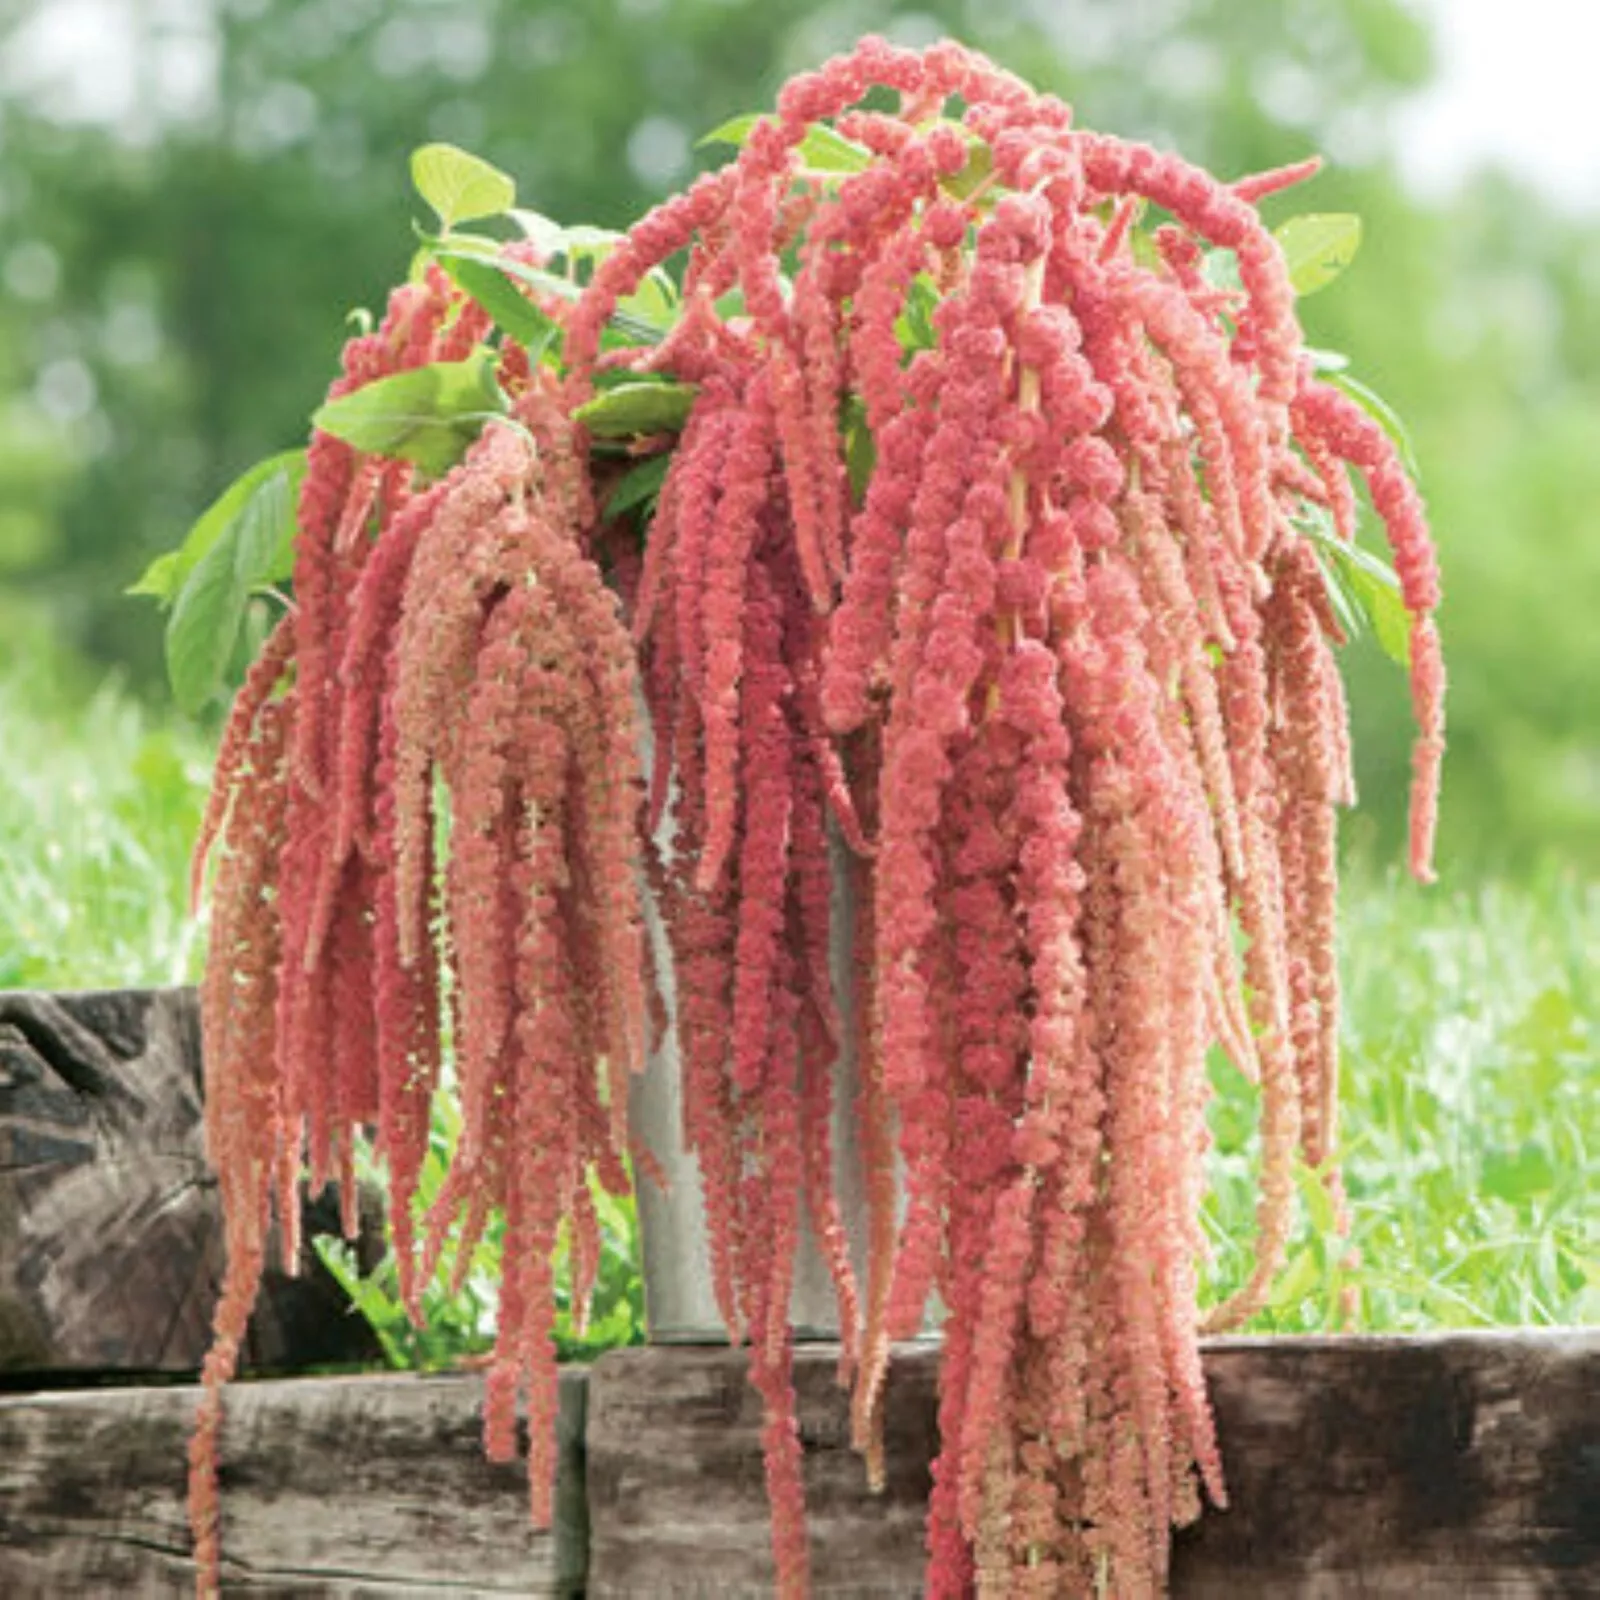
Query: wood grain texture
[1459,1467]
[373,1486]
[677,1494]
[110,1228]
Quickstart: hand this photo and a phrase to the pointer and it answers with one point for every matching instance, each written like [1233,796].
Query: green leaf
[822,150]
[735,131]
[637,408]
[860,449]
[653,303]
[1383,414]
[576,244]
[428,415]
[914,326]
[581,241]
[629,327]
[1318,247]
[1377,591]
[159,579]
[165,576]
[638,486]
[514,313]
[1362,583]
[977,171]
[251,551]
[543,231]
[459,186]
[1346,608]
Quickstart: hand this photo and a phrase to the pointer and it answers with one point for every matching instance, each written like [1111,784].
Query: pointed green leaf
[541,230]
[1346,608]
[1361,583]
[1384,415]
[514,313]
[251,551]
[823,149]
[632,409]
[159,579]
[653,303]
[165,576]
[1318,247]
[626,326]
[735,131]
[459,186]
[639,486]
[1377,590]
[428,415]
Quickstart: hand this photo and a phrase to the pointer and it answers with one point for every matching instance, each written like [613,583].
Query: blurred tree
[194,192]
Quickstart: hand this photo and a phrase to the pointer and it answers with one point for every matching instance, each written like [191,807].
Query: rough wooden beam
[374,1486]
[110,1227]
[1458,1467]
[1439,1468]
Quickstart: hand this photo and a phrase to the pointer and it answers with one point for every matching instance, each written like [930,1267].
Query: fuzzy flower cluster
[456,640]
[977,578]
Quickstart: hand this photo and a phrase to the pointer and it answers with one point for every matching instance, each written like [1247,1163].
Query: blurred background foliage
[194,193]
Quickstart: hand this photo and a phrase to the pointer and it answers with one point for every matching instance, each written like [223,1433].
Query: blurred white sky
[1519,82]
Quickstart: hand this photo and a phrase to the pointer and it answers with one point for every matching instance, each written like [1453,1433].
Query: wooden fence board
[371,1486]
[1437,1468]
[1459,1467]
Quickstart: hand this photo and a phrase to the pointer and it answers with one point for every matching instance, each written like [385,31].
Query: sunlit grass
[99,802]
[1472,1028]
[1471,1115]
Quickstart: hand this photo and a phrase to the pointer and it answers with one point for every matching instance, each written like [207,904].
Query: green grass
[99,804]
[1472,1031]
[1470,1112]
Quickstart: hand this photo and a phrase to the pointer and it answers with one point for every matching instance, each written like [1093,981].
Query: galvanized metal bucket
[680,1304]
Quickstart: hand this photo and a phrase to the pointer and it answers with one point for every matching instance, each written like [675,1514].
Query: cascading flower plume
[981,563]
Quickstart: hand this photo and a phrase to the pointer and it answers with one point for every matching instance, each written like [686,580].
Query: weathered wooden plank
[110,1227]
[1434,1468]
[1458,1465]
[330,1486]
[677,1494]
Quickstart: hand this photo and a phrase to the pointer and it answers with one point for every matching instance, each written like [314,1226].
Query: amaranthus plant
[936,482]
